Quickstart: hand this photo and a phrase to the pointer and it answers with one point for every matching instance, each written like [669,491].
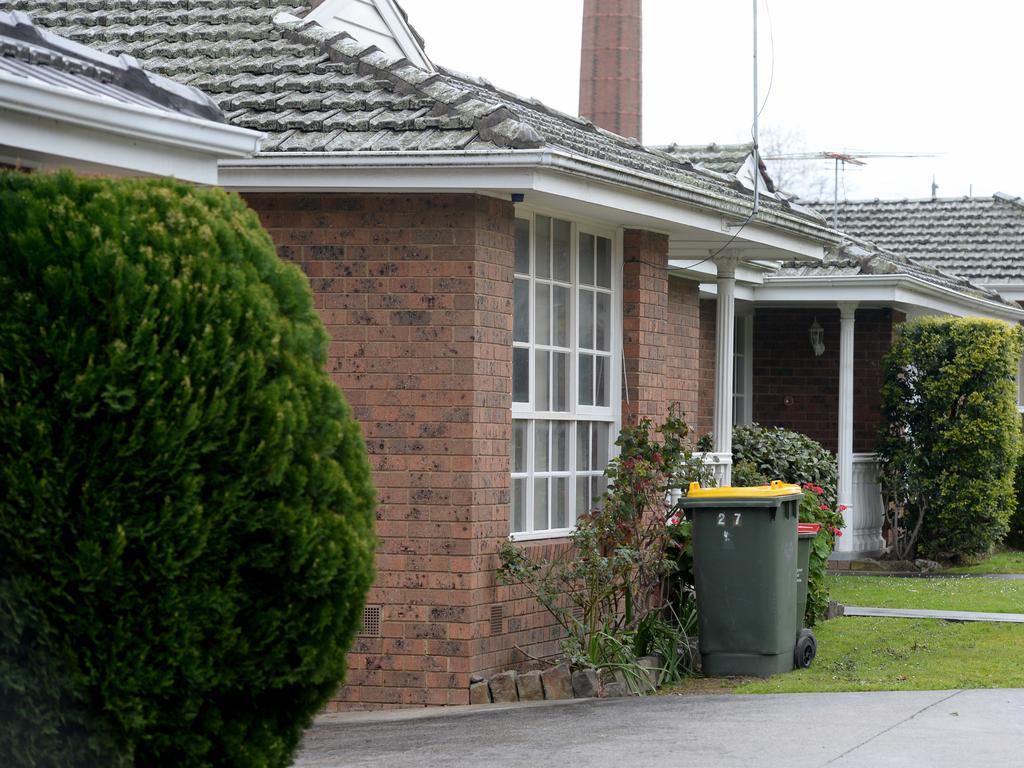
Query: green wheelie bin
[806,644]
[744,561]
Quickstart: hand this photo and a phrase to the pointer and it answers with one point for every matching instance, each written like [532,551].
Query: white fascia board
[141,125]
[635,199]
[890,290]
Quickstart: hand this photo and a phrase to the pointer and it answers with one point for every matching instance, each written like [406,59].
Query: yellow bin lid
[777,488]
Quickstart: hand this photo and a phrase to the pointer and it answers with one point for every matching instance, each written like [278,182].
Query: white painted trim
[642,200]
[42,100]
[887,290]
[844,455]
[334,11]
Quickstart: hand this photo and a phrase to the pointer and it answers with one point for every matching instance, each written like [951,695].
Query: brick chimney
[611,81]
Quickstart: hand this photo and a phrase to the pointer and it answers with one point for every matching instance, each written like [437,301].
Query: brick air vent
[371,621]
[577,612]
[497,619]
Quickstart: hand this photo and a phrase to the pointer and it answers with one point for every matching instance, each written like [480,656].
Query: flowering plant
[814,508]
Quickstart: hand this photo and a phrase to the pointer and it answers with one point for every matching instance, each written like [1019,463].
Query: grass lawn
[867,654]
[939,594]
[879,654]
[1008,561]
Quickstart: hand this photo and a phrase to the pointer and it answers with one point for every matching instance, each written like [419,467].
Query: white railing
[864,524]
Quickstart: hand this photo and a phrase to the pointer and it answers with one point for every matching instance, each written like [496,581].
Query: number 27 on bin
[736,519]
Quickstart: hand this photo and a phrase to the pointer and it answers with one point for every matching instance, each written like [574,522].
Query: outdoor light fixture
[817,334]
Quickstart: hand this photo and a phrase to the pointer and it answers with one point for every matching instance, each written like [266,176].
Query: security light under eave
[817,334]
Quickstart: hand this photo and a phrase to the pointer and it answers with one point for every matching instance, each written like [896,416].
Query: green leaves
[952,441]
[186,529]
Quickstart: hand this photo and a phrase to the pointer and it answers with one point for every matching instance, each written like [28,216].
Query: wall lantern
[817,334]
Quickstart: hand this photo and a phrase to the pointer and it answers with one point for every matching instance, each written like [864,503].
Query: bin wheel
[806,649]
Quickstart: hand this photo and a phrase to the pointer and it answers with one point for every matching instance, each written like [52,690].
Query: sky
[939,77]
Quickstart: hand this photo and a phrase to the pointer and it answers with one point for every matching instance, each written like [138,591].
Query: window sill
[559,533]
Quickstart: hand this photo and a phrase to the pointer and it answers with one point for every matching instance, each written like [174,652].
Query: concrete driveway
[923,729]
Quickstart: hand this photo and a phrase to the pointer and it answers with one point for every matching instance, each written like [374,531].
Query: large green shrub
[185,505]
[761,454]
[950,447]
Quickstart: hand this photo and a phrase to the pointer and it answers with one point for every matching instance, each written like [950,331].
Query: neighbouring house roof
[314,90]
[63,103]
[862,272]
[981,238]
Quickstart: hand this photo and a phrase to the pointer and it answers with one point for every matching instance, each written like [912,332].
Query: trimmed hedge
[186,518]
[950,449]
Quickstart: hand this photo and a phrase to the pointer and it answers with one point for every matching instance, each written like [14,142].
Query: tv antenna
[840,159]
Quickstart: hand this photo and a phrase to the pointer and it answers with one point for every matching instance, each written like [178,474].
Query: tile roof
[44,58]
[722,158]
[310,90]
[981,238]
[861,257]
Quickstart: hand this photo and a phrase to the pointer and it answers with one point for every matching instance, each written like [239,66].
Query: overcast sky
[880,76]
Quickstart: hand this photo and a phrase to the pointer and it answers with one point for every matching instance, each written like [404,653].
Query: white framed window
[566,358]
[743,371]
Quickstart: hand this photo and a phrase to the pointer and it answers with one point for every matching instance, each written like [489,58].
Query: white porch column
[725,323]
[845,452]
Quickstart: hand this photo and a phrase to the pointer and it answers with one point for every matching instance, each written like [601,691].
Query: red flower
[843,507]
[836,531]
[824,507]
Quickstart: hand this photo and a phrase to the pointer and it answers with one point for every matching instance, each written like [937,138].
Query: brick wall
[682,346]
[416,293]
[798,391]
[644,325]
[706,376]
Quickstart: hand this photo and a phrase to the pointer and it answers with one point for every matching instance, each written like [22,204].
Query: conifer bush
[186,513]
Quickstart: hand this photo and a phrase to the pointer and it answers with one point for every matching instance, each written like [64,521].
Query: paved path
[943,729]
[928,613]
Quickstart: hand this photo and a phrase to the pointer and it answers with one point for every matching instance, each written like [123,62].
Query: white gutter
[788,289]
[243,172]
[49,102]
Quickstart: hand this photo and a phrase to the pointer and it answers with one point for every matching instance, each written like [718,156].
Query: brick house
[505,286]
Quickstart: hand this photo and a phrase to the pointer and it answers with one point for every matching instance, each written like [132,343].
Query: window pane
[599,446]
[540,446]
[601,380]
[598,486]
[582,446]
[604,262]
[540,504]
[560,396]
[521,313]
[604,322]
[587,319]
[560,446]
[542,381]
[562,234]
[519,504]
[560,315]
[586,380]
[542,323]
[586,259]
[582,496]
[542,246]
[523,246]
[519,431]
[559,502]
[520,375]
